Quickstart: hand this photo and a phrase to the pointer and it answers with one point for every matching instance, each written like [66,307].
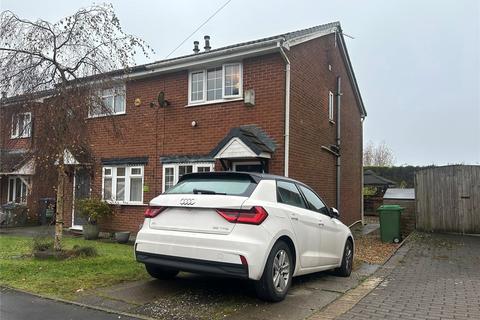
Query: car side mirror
[334,213]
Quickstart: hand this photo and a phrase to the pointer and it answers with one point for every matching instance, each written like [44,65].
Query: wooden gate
[448,199]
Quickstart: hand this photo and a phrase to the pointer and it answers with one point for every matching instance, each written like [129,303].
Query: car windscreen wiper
[202,191]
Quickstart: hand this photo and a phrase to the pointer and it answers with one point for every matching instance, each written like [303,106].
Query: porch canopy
[245,148]
[16,163]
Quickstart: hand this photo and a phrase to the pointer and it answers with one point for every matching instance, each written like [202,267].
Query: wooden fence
[448,199]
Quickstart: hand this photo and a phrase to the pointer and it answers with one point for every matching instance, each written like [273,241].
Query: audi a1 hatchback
[254,226]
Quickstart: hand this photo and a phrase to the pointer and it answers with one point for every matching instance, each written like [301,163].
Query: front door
[81,190]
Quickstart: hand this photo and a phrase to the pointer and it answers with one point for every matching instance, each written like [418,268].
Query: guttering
[211,57]
[287,109]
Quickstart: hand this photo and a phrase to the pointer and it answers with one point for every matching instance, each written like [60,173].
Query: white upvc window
[330,106]
[215,84]
[123,184]
[113,103]
[22,125]
[173,172]
[17,190]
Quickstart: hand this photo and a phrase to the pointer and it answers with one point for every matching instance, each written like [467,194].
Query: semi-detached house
[287,105]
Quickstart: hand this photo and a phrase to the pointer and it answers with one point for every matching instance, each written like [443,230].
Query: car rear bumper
[194,265]
[214,252]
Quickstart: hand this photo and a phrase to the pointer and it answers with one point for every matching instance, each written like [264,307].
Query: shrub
[42,243]
[93,209]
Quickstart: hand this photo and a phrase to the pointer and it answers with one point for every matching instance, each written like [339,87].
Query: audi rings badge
[187,202]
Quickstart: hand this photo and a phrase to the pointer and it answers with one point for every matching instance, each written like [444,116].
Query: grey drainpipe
[339,103]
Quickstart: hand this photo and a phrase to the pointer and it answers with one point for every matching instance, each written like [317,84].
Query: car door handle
[294,217]
[320,223]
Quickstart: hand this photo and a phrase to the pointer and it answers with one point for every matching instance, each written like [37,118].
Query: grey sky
[417,62]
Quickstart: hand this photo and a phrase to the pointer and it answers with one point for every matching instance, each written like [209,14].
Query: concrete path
[15,305]
[439,278]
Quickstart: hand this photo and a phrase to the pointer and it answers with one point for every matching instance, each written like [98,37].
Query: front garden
[66,277]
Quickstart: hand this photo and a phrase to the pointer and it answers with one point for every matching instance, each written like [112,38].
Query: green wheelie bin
[390,222]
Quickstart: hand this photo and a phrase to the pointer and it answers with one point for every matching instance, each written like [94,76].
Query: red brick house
[286,105]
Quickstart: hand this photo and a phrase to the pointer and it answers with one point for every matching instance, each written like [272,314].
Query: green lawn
[115,263]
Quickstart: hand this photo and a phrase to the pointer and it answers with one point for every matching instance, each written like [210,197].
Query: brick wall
[152,132]
[310,128]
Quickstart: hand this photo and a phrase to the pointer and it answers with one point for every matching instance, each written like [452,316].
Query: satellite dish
[161,99]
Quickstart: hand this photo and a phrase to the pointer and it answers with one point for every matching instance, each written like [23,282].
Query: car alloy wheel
[281,271]
[348,256]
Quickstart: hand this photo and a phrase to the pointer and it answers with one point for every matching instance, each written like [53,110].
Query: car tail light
[244,260]
[152,212]
[255,215]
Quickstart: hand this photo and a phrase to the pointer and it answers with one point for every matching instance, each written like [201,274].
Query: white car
[254,226]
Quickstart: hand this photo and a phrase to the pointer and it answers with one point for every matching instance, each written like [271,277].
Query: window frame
[115,90]
[305,207]
[309,207]
[331,113]
[224,98]
[128,176]
[175,166]
[24,189]
[15,130]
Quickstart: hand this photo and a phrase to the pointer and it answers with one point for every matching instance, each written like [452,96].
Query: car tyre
[161,273]
[347,261]
[277,275]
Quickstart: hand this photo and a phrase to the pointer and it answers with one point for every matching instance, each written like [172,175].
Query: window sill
[20,137]
[213,102]
[106,115]
[127,203]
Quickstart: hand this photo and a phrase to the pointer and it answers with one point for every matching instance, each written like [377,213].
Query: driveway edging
[347,301]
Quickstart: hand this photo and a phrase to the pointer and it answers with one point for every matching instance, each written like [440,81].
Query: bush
[42,243]
[93,209]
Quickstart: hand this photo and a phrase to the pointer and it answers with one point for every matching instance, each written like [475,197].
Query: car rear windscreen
[237,186]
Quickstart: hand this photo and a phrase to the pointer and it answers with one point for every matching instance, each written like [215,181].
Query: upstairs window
[113,102]
[215,84]
[123,184]
[330,106]
[22,125]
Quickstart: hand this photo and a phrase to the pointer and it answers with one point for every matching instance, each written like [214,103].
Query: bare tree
[378,155]
[70,61]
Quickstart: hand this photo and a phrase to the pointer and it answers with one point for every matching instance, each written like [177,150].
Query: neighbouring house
[375,187]
[404,197]
[287,105]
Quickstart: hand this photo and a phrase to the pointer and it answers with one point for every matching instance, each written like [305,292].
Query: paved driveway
[439,278]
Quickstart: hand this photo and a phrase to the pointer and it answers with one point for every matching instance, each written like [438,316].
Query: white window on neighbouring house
[123,184]
[173,172]
[17,190]
[330,106]
[22,125]
[112,103]
[215,84]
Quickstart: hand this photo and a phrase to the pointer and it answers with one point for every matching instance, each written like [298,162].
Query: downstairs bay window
[173,172]
[215,84]
[123,184]
[17,189]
